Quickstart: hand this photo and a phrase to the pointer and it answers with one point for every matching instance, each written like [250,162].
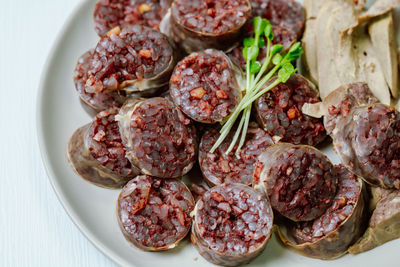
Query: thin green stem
[231,119]
[266,62]
[255,87]
[247,113]
[236,136]
[269,87]
[266,78]
[251,83]
[221,138]
[248,73]
[247,96]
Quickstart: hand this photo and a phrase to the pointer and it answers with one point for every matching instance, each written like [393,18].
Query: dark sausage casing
[136,60]
[197,25]
[206,86]
[329,236]
[160,140]
[96,152]
[299,180]
[154,213]
[232,224]
[219,167]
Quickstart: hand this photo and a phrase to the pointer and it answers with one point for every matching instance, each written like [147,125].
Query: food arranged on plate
[299,180]
[208,73]
[219,167]
[97,154]
[280,112]
[135,60]
[157,137]
[213,85]
[329,236]
[154,213]
[232,224]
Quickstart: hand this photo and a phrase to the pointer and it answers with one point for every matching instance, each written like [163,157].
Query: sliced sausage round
[154,213]
[329,236]
[97,154]
[198,25]
[366,134]
[135,60]
[219,167]
[159,139]
[109,14]
[299,180]
[279,112]
[206,86]
[370,144]
[96,100]
[232,224]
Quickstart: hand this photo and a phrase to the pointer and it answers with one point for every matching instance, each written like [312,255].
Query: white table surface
[34,228]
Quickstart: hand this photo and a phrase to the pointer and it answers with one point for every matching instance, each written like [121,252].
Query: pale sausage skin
[154,213]
[232,224]
[329,236]
[299,180]
[96,153]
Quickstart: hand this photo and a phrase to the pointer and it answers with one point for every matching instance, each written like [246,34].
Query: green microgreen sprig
[256,78]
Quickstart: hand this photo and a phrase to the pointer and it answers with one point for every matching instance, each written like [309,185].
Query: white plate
[93,208]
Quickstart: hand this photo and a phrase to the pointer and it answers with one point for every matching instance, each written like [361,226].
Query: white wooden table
[34,229]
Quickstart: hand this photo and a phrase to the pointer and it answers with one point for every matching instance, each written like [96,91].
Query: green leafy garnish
[256,78]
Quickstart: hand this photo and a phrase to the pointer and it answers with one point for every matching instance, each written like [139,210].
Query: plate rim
[49,169]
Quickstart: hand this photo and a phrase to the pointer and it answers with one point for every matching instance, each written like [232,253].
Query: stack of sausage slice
[97,153]
[322,204]
[152,134]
